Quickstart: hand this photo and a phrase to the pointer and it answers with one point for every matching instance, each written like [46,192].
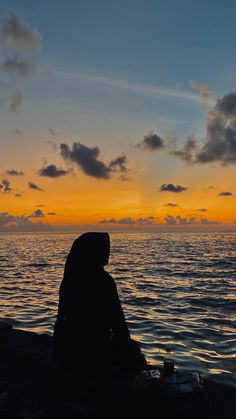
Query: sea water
[178,290]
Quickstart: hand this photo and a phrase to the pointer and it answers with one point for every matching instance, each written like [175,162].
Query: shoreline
[30,388]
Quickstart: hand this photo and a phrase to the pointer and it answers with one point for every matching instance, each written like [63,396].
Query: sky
[117,114]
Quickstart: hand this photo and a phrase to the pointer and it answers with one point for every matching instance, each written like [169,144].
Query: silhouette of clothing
[91,333]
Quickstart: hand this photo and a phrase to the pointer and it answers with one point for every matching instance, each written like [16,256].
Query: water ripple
[177,290]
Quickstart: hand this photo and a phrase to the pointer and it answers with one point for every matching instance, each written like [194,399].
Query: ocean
[177,290]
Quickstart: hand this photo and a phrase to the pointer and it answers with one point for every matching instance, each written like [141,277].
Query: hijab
[89,253]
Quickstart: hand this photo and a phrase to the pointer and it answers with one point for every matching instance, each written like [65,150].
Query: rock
[4,384]
[4,398]
[5,325]
[26,414]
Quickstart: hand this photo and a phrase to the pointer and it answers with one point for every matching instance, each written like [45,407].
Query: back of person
[90,330]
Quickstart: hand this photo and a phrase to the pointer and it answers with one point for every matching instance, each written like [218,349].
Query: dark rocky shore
[31,387]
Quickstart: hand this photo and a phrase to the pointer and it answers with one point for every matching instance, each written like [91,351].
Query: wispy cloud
[14,172]
[17,66]
[130,221]
[33,186]
[14,32]
[135,88]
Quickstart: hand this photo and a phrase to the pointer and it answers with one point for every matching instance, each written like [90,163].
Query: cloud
[201,209]
[52,132]
[130,221]
[170,205]
[37,214]
[170,220]
[18,195]
[172,188]
[187,151]
[5,186]
[18,131]
[34,186]
[184,221]
[204,90]
[14,101]
[179,220]
[52,171]
[10,222]
[225,194]
[151,142]
[40,205]
[52,213]
[15,33]
[118,164]
[150,90]
[17,66]
[206,221]
[14,172]
[219,143]
[87,159]
[227,105]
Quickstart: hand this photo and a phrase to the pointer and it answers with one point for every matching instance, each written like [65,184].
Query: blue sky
[107,73]
[163,44]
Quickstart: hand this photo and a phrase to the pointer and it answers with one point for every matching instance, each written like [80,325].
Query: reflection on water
[177,290]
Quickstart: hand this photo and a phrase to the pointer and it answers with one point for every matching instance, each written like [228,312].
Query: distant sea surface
[178,290]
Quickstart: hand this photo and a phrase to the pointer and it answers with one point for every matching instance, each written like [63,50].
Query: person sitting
[91,335]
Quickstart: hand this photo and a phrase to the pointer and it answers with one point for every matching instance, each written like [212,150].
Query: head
[90,250]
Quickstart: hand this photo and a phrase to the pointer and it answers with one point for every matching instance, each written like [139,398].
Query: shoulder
[109,280]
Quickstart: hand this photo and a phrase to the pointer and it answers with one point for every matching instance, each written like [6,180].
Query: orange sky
[84,142]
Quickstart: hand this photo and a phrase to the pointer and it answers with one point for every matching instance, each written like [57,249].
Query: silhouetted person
[91,335]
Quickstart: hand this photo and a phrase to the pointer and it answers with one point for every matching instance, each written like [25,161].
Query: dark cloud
[52,213]
[17,66]
[10,222]
[18,195]
[130,221]
[87,159]
[201,209]
[170,205]
[151,142]
[187,151]
[37,214]
[15,33]
[34,186]
[14,172]
[52,171]
[172,188]
[225,194]
[227,105]
[219,144]
[18,131]
[14,101]
[118,164]
[40,205]
[5,186]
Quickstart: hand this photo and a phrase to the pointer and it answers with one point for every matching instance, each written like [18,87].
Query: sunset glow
[110,134]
